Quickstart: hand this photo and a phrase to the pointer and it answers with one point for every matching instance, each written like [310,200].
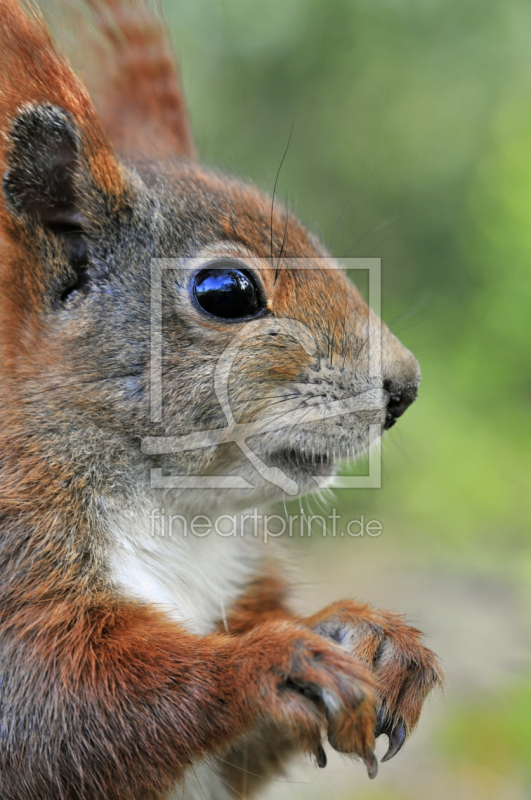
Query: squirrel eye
[228,292]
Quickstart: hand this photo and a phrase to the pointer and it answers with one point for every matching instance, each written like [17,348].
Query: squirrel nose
[400,398]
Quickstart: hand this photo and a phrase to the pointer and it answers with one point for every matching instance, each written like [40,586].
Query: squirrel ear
[43,158]
[48,124]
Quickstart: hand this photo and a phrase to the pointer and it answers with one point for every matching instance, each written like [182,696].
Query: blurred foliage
[494,733]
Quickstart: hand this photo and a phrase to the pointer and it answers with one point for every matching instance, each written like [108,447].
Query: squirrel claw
[397,737]
[381,722]
[320,756]
[395,731]
[371,762]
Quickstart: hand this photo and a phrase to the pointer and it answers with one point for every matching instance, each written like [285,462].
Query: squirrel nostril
[400,398]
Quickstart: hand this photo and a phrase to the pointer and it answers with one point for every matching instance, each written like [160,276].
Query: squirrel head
[146,300]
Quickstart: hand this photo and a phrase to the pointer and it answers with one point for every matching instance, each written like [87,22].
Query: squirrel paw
[311,687]
[405,671]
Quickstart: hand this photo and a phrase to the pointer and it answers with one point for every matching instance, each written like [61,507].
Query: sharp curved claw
[320,757]
[371,762]
[382,723]
[397,737]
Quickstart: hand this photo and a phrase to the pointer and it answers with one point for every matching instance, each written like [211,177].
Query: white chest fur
[193,578]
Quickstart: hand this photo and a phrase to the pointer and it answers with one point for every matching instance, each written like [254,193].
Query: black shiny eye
[228,292]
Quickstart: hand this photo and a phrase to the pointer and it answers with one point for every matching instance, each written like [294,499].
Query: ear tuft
[40,96]
[42,158]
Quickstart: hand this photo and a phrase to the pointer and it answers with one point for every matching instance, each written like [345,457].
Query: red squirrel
[136,665]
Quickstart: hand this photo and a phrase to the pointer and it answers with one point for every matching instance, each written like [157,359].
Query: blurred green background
[411,142]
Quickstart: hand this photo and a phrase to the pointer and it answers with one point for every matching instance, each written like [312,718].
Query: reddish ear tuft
[33,72]
[136,88]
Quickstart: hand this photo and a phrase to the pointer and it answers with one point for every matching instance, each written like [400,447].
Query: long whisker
[275,190]
[413,310]
[283,239]
[254,774]
[363,181]
[53,387]
[339,221]
[383,224]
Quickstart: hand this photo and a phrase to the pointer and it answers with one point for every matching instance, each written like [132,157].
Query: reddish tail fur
[138,96]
